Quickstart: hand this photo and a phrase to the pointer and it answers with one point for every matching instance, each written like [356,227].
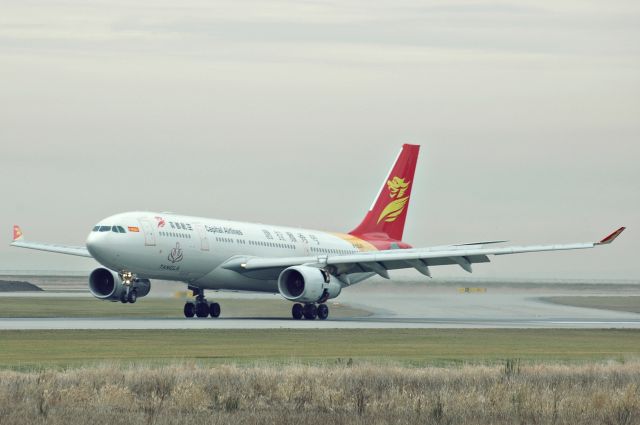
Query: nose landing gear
[310,311]
[129,295]
[200,308]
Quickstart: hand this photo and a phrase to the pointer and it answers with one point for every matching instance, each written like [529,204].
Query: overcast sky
[528,113]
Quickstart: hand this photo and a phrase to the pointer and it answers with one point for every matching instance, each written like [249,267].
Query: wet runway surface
[404,307]
[366,323]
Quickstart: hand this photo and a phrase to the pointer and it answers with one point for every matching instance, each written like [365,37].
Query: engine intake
[307,284]
[105,284]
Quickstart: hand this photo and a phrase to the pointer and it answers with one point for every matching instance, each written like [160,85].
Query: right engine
[105,284]
[307,284]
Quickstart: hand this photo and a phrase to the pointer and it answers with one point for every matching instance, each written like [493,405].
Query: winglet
[17,233]
[612,237]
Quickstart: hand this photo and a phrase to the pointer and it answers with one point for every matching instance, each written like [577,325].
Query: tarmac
[392,307]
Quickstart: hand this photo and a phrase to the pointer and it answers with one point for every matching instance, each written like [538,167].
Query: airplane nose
[96,242]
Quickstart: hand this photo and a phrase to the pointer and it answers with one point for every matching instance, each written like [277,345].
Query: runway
[367,323]
[395,307]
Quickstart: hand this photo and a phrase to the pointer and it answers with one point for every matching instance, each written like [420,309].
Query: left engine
[105,284]
[307,284]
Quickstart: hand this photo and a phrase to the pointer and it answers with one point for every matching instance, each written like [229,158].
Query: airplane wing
[380,262]
[18,241]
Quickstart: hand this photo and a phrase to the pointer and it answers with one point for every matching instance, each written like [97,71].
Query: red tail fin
[388,212]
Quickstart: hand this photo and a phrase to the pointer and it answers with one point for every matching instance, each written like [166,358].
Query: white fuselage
[192,249]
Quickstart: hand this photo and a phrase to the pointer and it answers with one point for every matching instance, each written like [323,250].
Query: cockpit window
[96,228]
[121,229]
[105,228]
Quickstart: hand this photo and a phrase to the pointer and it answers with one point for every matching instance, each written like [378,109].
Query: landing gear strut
[310,311]
[200,308]
[129,295]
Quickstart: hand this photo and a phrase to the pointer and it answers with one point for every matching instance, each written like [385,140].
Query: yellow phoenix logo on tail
[397,188]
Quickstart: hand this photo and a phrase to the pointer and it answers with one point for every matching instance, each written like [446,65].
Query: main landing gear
[201,308]
[310,311]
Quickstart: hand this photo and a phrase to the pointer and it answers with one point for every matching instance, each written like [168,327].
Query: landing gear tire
[310,311]
[296,311]
[123,298]
[323,311]
[214,310]
[202,309]
[133,296]
[189,310]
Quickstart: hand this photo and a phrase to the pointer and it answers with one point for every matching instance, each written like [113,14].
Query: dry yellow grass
[341,394]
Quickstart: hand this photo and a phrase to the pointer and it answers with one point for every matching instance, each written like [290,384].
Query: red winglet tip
[612,237]
[17,232]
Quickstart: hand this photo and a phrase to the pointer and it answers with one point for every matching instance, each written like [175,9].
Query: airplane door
[202,234]
[149,232]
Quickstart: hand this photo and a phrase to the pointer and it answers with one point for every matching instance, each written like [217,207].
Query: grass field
[626,303]
[42,349]
[307,377]
[359,393]
[152,307]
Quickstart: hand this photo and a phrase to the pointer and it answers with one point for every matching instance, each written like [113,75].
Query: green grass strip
[35,349]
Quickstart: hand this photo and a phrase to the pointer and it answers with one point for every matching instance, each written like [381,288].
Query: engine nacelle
[307,284]
[107,285]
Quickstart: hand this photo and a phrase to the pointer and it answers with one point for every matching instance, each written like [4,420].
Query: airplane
[307,267]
